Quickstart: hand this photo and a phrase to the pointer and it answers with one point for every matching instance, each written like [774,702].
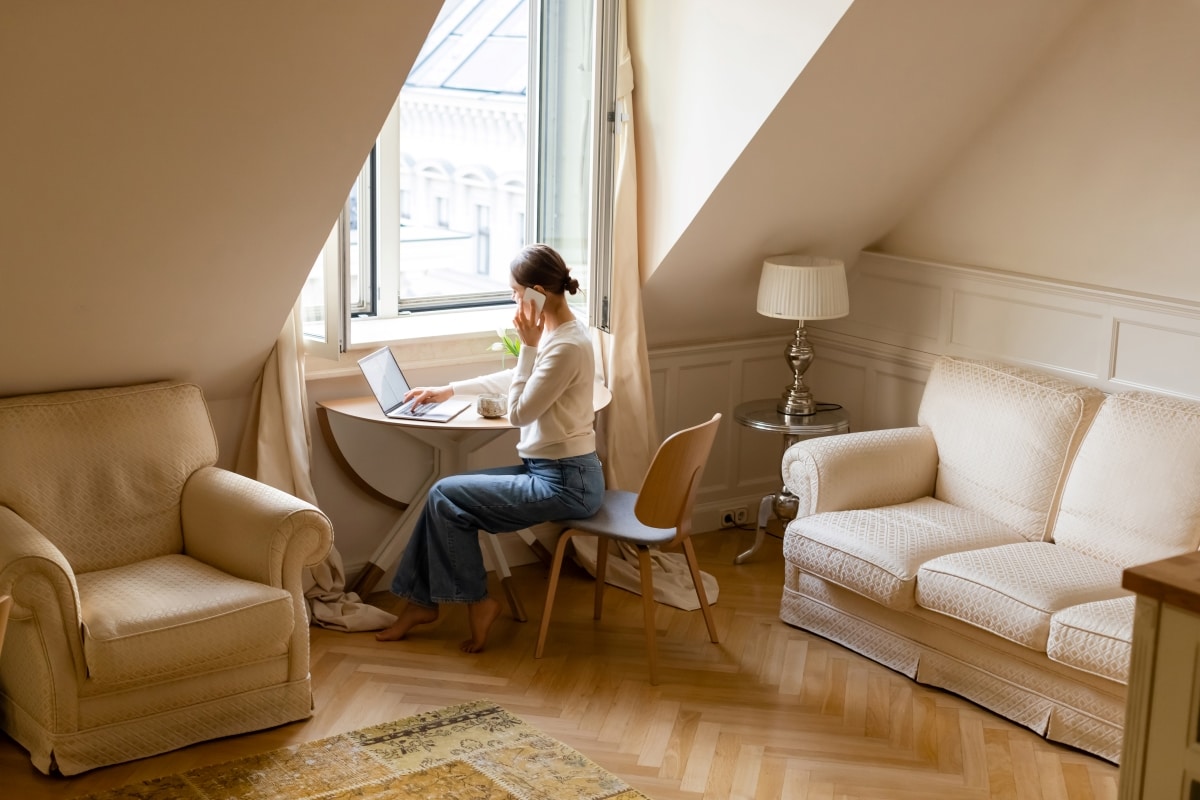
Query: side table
[761,415]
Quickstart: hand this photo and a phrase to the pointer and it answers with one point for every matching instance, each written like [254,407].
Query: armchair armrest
[44,593]
[251,530]
[867,469]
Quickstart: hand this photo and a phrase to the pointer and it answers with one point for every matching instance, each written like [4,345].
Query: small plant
[509,345]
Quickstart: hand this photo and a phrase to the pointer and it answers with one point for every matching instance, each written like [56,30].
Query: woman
[550,401]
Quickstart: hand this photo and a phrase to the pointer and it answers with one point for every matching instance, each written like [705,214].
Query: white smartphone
[537,297]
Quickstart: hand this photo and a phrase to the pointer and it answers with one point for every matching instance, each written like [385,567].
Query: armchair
[157,601]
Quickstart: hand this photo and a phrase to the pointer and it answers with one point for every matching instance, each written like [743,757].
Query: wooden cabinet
[1161,754]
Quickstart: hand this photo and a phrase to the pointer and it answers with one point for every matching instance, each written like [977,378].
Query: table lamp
[802,288]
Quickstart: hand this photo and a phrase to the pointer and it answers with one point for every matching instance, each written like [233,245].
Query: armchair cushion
[117,503]
[174,615]
[1014,589]
[877,552]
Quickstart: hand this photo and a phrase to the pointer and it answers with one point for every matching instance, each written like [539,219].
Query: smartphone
[537,297]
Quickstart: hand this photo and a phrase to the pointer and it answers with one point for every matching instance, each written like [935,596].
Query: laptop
[389,386]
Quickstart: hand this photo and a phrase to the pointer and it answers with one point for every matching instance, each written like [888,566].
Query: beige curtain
[626,429]
[276,449]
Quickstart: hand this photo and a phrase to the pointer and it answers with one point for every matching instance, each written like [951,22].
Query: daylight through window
[459,180]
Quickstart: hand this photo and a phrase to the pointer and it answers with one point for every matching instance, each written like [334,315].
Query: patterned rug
[475,750]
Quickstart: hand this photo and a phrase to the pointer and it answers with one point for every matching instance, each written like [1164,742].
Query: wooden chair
[658,515]
[5,607]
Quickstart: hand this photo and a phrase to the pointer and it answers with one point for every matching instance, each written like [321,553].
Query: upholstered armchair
[157,600]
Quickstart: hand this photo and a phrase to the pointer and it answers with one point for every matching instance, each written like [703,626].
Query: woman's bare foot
[409,618]
[480,615]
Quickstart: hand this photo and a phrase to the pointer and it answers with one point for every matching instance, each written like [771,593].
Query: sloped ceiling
[892,95]
[1090,174]
[170,172]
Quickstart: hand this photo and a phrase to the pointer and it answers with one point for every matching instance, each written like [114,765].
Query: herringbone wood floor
[770,712]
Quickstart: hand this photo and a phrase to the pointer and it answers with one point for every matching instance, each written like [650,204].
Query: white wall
[1091,173]
[707,75]
[894,92]
[170,173]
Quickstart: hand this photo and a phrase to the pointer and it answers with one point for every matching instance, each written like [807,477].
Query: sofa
[981,551]
[157,600]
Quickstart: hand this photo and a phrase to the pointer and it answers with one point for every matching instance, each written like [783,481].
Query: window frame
[380,197]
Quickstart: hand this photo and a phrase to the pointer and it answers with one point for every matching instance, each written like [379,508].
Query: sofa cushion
[1004,437]
[1012,590]
[1095,637]
[876,552]
[1132,495]
[174,614]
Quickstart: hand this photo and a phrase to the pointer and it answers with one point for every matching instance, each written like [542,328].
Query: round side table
[761,415]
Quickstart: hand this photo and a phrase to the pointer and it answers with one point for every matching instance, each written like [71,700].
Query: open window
[459,180]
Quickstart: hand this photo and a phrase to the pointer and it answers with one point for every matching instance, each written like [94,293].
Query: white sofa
[982,550]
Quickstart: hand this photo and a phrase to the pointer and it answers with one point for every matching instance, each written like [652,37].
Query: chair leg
[694,568]
[555,569]
[601,570]
[645,568]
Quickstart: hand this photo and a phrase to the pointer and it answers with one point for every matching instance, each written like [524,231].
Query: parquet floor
[771,712]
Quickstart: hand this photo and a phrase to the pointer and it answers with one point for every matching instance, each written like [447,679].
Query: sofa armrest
[45,599]
[251,530]
[867,469]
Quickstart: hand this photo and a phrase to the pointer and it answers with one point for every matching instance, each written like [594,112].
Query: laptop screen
[384,376]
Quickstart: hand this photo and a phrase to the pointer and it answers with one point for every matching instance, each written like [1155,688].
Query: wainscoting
[904,313]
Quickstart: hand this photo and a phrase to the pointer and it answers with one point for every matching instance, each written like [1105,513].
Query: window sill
[427,338]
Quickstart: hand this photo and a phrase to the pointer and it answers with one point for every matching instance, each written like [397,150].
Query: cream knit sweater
[549,393]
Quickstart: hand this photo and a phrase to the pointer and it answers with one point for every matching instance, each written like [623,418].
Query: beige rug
[475,750]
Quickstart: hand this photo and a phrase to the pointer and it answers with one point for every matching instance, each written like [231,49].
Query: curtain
[626,429]
[276,449]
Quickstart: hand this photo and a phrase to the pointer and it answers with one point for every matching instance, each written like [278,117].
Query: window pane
[565,133]
[312,296]
[320,297]
[463,157]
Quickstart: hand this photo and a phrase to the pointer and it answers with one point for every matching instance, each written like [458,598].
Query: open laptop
[389,386]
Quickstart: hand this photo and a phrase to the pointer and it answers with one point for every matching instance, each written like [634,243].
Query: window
[458,173]
[483,241]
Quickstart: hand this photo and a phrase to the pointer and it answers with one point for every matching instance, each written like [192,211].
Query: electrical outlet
[732,517]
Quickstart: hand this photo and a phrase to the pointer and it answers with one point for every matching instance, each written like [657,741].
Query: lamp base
[793,405]
[797,399]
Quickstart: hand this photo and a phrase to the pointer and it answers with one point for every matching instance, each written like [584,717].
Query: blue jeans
[443,562]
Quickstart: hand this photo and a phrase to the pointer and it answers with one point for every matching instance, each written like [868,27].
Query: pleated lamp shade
[803,287]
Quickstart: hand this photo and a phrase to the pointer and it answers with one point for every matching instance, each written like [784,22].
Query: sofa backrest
[1133,491]
[100,472]
[1004,436]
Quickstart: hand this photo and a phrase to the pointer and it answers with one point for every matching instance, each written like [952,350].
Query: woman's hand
[428,394]
[528,324]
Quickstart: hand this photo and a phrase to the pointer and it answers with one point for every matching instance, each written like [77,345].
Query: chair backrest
[100,472]
[669,489]
[5,607]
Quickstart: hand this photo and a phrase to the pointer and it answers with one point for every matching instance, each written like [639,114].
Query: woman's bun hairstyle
[541,265]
